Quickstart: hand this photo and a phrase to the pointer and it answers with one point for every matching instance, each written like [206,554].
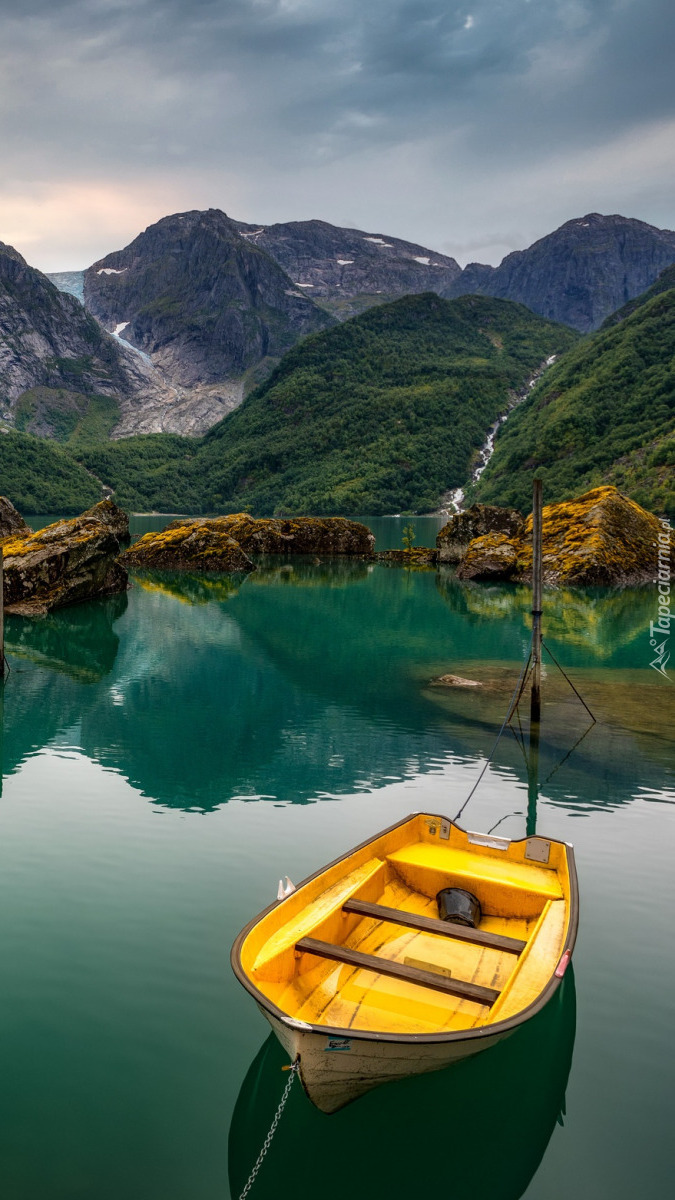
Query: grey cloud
[257,88]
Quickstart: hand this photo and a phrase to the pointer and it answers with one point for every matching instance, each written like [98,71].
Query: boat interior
[360,946]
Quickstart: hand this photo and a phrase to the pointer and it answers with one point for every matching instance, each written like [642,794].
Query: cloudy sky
[472,128]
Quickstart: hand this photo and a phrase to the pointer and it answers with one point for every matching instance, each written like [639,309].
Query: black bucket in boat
[459,907]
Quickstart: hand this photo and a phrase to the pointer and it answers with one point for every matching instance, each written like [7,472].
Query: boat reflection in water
[475,1131]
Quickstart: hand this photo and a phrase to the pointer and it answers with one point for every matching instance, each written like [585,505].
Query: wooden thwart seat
[385,966]
[462,933]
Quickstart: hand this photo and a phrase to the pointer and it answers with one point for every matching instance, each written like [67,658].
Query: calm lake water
[169,753]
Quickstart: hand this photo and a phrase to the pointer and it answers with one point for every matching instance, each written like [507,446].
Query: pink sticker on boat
[563,964]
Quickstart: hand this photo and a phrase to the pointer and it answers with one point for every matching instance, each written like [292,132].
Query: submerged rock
[12,523]
[600,538]
[453,539]
[109,514]
[297,535]
[455,681]
[199,545]
[65,563]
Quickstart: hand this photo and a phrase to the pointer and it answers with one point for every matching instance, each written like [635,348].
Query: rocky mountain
[213,304]
[664,283]
[209,307]
[580,273]
[347,269]
[58,369]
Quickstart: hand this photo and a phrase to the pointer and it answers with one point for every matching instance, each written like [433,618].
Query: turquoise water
[168,754]
[388,530]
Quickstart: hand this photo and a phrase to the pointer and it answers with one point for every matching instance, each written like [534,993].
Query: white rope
[273,1128]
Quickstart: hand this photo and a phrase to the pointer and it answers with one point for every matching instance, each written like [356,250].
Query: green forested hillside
[380,414]
[604,414]
[384,412]
[158,472]
[39,476]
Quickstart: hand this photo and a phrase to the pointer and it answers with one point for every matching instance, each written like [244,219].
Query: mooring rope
[295,1067]
[514,700]
[576,693]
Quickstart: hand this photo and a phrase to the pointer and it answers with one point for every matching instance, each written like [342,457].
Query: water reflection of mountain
[478,1130]
[291,689]
[199,711]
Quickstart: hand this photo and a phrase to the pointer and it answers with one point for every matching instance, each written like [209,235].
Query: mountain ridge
[207,307]
[57,357]
[581,272]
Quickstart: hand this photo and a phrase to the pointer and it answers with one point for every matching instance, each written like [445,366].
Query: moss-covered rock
[600,538]
[199,545]
[492,556]
[453,539]
[12,523]
[65,563]
[296,535]
[109,514]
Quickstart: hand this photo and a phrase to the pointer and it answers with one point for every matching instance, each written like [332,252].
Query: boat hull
[410,994]
[336,1070]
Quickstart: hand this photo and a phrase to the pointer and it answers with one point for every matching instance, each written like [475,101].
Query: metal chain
[273,1128]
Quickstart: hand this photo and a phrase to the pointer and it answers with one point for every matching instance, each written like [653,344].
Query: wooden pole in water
[532,780]
[535,696]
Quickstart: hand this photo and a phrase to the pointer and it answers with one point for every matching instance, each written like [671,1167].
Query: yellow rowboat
[363,983]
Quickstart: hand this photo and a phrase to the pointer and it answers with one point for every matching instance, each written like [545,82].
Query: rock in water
[200,545]
[64,563]
[109,514]
[454,537]
[491,556]
[601,538]
[12,523]
[455,681]
[297,535]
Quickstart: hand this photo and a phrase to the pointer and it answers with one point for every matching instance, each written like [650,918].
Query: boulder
[600,538]
[65,563]
[492,556]
[296,535]
[12,523]
[480,519]
[199,545]
[112,516]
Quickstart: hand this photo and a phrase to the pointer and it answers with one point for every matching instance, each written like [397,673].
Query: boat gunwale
[455,1035]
